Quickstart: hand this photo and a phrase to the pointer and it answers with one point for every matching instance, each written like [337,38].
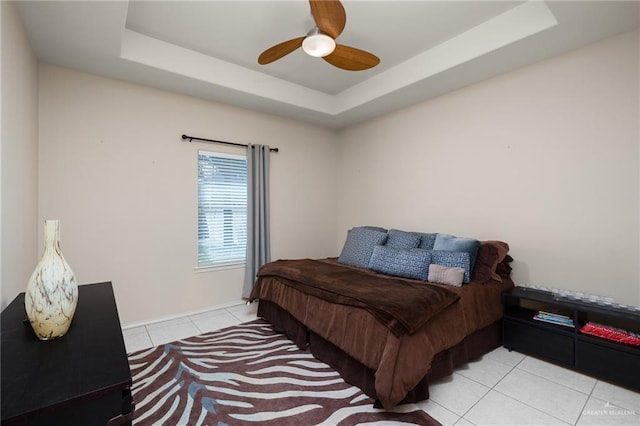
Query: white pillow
[444,275]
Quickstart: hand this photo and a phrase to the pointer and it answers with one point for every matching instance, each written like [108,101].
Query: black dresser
[82,378]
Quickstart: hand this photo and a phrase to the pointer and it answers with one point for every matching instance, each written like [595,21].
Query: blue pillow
[375,228]
[451,243]
[407,263]
[359,246]
[427,241]
[402,240]
[453,259]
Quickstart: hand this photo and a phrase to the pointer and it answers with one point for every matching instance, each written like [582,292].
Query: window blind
[222,209]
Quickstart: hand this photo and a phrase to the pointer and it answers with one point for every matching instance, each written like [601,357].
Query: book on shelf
[554,318]
[554,315]
[611,333]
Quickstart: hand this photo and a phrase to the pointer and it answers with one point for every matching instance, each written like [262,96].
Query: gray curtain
[258,242]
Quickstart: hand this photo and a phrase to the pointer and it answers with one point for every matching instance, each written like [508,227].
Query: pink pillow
[444,275]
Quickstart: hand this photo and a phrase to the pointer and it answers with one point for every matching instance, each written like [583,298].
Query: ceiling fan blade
[329,15]
[352,59]
[279,50]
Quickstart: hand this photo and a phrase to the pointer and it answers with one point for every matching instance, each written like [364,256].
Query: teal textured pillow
[359,246]
[452,243]
[407,263]
[402,239]
[453,259]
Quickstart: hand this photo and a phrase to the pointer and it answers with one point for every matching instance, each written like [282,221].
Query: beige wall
[19,157]
[114,170]
[545,158]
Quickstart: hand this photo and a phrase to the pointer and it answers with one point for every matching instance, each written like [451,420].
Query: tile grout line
[225,310]
[510,397]
[444,408]
[586,402]
[196,326]
[466,420]
[148,335]
[534,408]
[543,378]
[609,401]
[553,381]
[522,402]
[490,388]
[559,384]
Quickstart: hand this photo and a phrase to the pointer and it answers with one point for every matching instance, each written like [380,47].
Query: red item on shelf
[611,333]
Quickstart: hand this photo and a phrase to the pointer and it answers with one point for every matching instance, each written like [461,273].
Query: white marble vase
[52,293]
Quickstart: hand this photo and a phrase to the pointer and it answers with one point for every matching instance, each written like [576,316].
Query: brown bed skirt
[353,372]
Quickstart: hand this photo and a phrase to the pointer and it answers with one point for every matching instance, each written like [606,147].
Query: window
[222,209]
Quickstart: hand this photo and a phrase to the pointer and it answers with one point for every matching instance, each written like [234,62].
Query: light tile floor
[502,388]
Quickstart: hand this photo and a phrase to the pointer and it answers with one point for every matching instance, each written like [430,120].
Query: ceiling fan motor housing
[318,44]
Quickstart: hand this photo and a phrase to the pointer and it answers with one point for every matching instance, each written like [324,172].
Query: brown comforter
[399,362]
[406,306]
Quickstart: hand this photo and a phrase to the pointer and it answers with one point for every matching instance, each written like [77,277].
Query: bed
[377,344]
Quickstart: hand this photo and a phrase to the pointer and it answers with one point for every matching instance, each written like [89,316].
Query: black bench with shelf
[567,346]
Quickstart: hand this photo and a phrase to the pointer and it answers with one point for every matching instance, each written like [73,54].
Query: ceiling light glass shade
[318,45]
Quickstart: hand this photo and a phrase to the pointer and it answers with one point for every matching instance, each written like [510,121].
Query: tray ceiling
[209,49]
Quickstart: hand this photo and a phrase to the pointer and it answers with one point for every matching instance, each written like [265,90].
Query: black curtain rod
[193,138]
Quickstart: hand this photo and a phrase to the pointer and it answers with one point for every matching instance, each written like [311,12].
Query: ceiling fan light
[318,45]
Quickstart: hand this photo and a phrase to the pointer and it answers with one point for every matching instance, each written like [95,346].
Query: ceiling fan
[330,19]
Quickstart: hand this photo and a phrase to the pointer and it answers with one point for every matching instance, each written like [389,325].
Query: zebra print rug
[249,374]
